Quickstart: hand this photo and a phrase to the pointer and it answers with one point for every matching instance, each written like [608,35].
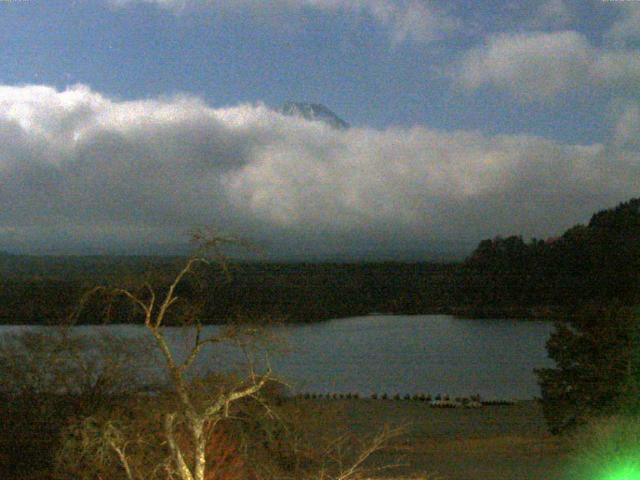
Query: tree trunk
[178,460]
[199,440]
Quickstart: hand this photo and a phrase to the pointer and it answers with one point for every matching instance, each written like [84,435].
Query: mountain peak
[313,112]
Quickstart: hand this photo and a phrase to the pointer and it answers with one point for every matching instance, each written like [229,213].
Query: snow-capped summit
[314,112]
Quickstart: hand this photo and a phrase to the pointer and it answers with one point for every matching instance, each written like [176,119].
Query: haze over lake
[390,354]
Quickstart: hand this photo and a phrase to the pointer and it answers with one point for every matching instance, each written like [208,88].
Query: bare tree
[192,412]
[188,462]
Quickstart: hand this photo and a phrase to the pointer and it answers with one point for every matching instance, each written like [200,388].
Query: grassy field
[507,442]
[489,443]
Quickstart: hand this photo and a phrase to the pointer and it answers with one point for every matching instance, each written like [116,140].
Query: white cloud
[627,27]
[627,128]
[539,66]
[417,21]
[530,65]
[405,20]
[615,68]
[76,166]
[168,4]
[552,14]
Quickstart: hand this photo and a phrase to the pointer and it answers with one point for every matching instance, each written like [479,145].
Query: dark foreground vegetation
[503,277]
[68,415]
[79,408]
[498,442]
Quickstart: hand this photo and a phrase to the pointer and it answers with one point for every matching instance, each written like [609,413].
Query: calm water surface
[393,354]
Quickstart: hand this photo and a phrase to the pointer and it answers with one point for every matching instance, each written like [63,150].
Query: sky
[125,124]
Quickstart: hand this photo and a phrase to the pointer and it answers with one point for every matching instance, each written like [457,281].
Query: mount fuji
[313,112]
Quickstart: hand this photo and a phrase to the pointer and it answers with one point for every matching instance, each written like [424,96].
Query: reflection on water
[393,354]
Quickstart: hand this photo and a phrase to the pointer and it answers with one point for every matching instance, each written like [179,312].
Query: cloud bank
[78,168]
[536,66]
[405,20]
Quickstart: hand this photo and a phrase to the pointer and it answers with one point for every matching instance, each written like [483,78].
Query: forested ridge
[598,262]
[503,277]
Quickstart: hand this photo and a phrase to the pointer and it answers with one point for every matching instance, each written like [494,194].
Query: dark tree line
[291,292]
[597,262]
[503,277]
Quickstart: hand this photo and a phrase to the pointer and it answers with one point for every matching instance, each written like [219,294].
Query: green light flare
[628,471]
[606,449]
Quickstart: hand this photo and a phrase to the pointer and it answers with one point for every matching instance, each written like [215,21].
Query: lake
[417,354]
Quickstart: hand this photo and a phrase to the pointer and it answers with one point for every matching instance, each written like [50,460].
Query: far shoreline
[547,314]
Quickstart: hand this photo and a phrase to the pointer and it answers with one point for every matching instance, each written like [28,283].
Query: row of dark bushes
[416,398]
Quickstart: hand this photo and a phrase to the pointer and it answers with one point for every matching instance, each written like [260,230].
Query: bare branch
[193,354]
[75,315]
[152,294]
[377,443]
[174,371]
[170,298]
[176,453]
[224,400]
[120,453]
[121,291]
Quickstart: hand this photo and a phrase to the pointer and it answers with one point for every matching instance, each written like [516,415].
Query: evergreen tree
[597,355]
